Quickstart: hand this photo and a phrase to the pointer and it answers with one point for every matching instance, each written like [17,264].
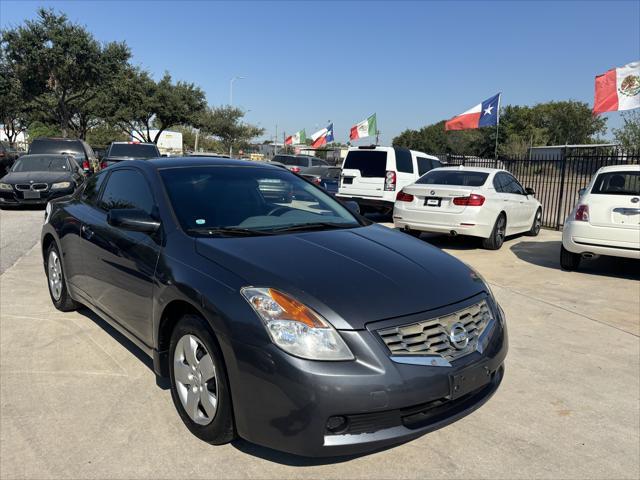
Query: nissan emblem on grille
[458,336]
[449,336]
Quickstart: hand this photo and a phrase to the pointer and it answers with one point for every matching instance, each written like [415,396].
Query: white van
[372,176]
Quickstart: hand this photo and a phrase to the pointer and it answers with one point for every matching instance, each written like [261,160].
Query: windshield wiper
[314,226]
[228,231]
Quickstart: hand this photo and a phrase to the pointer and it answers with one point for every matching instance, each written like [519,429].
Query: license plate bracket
[30,195]
[432,201]
[469,380]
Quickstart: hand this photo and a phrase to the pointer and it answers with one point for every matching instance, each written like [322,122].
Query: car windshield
[41,163]
[617,183]
[453,177]
[208,200]
[133,150]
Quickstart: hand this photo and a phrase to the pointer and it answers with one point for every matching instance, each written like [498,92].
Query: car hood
[351,277]
[36,177]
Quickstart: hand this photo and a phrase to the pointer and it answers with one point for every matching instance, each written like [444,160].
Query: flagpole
[497,127]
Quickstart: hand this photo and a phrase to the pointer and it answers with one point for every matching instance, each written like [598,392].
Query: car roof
[619,168]
[133,143]
[56,139]
[373,148]
[462,168]
[59,155]
[176,162]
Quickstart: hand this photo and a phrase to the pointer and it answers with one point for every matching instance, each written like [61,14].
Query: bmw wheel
[55,278]
[199,385]
[495,241]
[537,224]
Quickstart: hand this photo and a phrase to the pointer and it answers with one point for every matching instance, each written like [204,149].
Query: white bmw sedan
[606,220]
[481,202]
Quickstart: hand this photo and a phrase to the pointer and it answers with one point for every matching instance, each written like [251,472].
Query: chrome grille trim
[38,187]
[431,339]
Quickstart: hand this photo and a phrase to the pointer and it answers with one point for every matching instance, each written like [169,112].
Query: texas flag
[618,89]
[322,137]
[484,114]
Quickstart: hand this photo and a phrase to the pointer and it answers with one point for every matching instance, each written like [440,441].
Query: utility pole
[275,142]
[237,77]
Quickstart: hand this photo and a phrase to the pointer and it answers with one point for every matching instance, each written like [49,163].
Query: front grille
[38,187]
[434,336]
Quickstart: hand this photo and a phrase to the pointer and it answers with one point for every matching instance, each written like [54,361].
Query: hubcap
[538,221]
[55,275]
[500,228]
[196,380]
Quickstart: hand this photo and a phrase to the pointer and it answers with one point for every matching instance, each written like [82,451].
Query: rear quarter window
[371,163]
[404,162]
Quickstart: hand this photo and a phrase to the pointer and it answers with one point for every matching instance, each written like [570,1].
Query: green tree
[139,104]
[629,134]
[225,123]
[13,109]
[59,64]
[102,134]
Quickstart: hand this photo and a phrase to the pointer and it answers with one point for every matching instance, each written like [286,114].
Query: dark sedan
[36,179]
[384,339]
[325,177]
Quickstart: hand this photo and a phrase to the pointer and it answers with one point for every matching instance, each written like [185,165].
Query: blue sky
[413,63]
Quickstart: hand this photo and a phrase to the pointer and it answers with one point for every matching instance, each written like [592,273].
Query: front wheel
[495,241]
[57,285]
[537,224]
[568,260]
[199,384]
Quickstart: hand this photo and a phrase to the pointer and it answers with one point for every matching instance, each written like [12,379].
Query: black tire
[413,233]
[537,224]
[221,429]
[56,282]
[495,241]
[568,260]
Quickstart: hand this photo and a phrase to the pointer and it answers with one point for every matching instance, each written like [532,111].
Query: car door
[510,201]
[122,262]
[521,202]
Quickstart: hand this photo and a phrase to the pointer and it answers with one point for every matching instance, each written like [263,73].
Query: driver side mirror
[353,206]
[530,191]
[132,219]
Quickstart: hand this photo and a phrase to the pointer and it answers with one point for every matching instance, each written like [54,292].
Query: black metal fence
[556,180]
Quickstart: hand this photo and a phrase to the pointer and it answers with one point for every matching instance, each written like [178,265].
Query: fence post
[561,193]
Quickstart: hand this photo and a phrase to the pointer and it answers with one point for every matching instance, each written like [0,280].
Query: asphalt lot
[78,400]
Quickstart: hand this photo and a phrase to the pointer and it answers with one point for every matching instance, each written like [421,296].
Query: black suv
[120,151]
[80,149]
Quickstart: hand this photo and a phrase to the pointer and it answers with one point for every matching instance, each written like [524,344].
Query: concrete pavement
[19,231]
[77,402]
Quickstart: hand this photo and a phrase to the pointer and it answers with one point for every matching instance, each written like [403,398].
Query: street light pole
[237,77]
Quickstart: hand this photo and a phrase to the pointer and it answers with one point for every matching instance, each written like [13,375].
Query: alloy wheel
[195,378]
[55,275]
[501,229]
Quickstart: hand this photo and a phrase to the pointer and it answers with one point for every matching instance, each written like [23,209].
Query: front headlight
[6,186]
[59,185]
[296,328]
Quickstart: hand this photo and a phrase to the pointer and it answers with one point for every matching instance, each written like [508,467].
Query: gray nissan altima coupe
[284,319]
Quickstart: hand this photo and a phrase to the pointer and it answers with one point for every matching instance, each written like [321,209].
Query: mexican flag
[297,138]
[366,128]
[618,89]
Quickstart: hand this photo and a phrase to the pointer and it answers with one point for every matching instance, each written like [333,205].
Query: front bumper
[284,403]
[16,197]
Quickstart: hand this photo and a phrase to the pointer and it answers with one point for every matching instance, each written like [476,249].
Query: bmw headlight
[60,185]
[6,186]
[296,328]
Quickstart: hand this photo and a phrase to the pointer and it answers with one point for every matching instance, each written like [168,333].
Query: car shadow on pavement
[161,382]
[292,460]
[547,254]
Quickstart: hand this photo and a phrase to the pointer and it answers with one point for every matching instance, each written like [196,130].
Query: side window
[424,165]
[317,162]
[511,185]
[92,188]
[404,162]
[498,184]
[127,189]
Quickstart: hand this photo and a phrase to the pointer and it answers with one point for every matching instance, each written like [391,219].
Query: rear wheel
[495,241]
[199,384]
[568,260]
[413,233]
[57,285]
[537,224]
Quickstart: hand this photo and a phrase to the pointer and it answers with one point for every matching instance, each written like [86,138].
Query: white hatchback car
[481,202]
[606,220]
